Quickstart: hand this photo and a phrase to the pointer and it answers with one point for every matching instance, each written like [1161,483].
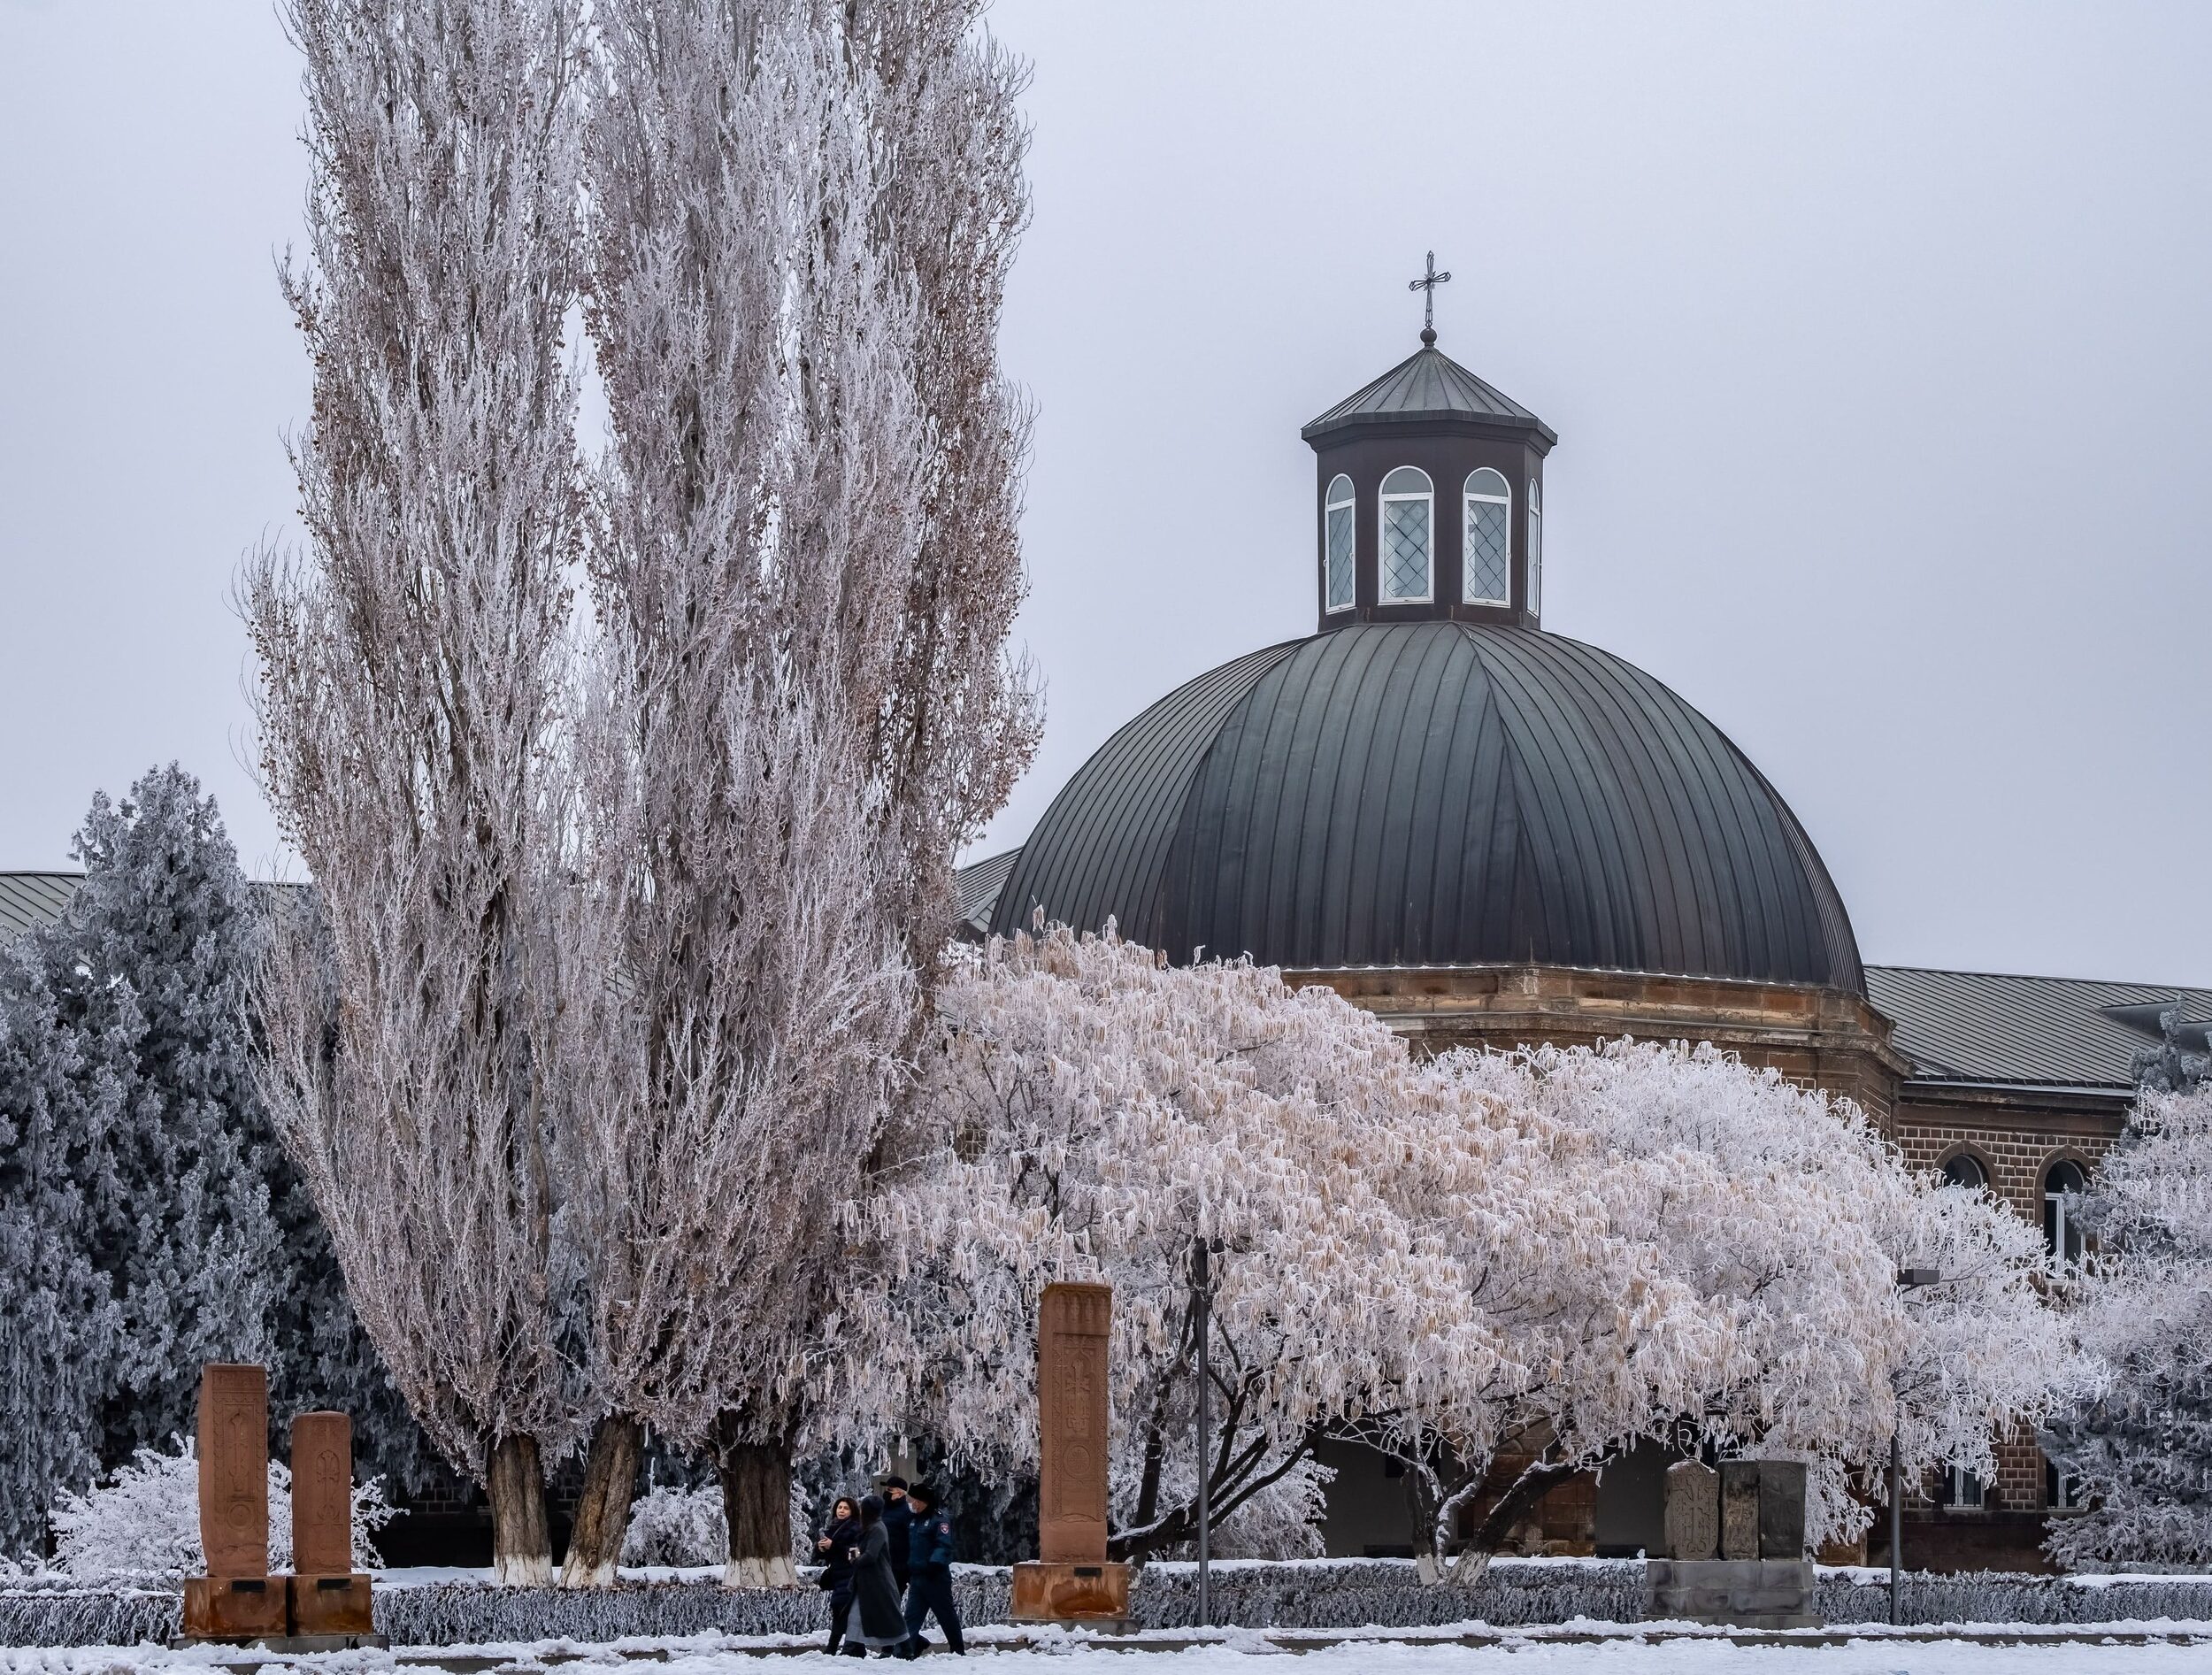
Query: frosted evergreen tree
[148,969]
[2140,1453]
[58,1325]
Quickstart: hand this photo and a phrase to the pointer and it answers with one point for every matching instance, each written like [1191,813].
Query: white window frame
[1467,499]
[1329,504]
[1957,1479]
[1534,587]
[1383,504]
[2055,1216]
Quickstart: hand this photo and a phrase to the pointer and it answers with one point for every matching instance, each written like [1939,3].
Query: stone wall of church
[1818,1038]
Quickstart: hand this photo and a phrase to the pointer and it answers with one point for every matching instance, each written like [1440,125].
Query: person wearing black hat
[897,1519]
[929,1573]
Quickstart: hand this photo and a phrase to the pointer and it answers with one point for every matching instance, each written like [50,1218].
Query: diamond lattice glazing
[1406,549]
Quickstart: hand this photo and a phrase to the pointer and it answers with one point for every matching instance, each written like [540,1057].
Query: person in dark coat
[874,1622]
[929,1572]
[839,1540]
[897,1517]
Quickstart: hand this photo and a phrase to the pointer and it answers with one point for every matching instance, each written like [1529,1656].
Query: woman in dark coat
[836,1545]
[875,1620]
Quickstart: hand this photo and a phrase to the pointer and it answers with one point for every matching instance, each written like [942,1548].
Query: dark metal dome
[1437,793]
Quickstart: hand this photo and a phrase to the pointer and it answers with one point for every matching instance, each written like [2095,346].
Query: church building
[1489,834]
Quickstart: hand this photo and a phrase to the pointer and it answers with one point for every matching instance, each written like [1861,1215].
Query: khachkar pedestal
[1071,1580]
[237,1600]
[1736,1547]
[330,1598]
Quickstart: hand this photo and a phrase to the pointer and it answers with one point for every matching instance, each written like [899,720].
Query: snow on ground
[1621,1652]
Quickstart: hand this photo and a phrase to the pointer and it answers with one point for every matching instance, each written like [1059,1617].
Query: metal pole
[1896,1528]
[1201,1309]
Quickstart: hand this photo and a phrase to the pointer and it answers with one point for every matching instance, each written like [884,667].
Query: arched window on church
[1489,538]
[1963,1170]
[2063,1184]
[1535,548]
[1336,540]
[1408,535]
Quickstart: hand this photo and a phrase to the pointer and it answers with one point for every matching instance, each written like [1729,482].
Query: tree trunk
[602,1513]
[522,1546]
[1540,1477]
[756,1505]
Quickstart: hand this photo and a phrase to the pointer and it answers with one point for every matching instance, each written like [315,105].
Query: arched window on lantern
[2063,1184]
[1337,530]
[1408,547]
[1486,575]
[1535,547]
[1963,1171]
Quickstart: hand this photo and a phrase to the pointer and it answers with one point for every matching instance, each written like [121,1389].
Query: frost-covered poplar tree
[413,669]
[804,577]
[2141,1446]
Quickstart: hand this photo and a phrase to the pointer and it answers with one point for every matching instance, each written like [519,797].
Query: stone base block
[331,1605]
[1094,1596]
[1745,1593]
[218,1607]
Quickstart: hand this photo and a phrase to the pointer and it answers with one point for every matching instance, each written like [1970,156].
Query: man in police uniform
[929,1572]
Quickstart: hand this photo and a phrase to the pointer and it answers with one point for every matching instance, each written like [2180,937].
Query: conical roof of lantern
[1425,386]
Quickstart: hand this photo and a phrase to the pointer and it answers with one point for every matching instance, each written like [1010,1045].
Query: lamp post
[1200,1310]
[1907,1280]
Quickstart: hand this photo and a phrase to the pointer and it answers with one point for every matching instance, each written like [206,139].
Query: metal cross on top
[1428,284]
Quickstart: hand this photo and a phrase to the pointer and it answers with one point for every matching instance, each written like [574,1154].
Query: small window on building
[1963,1170]
[1408,535]
[1962,1488]
[2063,1184]
[1336,540]
[1535,547]
[1489,540]
[2061,1492]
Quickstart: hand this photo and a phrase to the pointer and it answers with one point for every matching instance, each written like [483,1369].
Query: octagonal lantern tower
[1429,505]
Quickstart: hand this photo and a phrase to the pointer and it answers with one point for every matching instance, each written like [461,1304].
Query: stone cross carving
[1740,1508]
[1781,1508]
[1693,1512]
[322,1495]
[234,1470]
[1427,285]
[1071,1331]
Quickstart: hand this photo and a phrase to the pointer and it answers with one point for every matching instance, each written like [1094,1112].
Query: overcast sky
[1875,338]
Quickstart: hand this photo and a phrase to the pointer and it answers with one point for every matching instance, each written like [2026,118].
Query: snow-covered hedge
[1317,1595]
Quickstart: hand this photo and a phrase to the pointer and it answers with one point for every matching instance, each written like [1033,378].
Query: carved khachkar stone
[1782,1509]
[1740,1508]
[322,1495]
[235,1600]
[234,1470]
[1073,1581]
[1693,1512]
[1072,1423]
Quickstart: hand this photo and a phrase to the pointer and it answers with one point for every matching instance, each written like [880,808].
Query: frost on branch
[141,1523]
[2141,1445]
[1551,1252]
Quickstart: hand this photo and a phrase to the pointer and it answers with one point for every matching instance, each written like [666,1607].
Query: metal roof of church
[1428,385]
[1437,793]
[1980,1027]
[28,899]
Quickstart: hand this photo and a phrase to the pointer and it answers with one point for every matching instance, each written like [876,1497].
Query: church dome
[1436,793]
